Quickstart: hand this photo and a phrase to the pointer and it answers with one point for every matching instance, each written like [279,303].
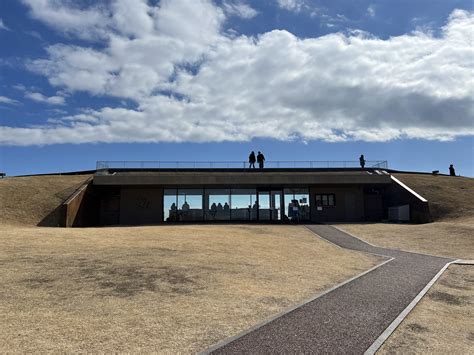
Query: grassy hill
[33,200]
[449,197]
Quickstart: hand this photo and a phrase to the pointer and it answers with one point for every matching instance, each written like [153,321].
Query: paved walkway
[350,318]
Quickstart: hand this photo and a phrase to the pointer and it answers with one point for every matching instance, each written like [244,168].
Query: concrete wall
[349,204]
[81,208]
[236,179]
[140,205]
[396,195]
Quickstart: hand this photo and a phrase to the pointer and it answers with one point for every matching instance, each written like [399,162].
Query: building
[144,196]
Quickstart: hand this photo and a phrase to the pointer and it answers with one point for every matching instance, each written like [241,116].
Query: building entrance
[270,205]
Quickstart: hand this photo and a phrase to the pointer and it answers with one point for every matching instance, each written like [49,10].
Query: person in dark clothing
[260,160]
[452,172]
[362,161]
[252,160]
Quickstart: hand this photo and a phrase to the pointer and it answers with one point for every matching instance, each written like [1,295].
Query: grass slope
[449,197]
[30,200]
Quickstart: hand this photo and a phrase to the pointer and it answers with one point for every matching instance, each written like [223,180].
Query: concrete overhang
[241,177]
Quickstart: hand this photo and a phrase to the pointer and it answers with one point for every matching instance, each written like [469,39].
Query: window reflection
[244,204]
[217,204]
[190,205]
[170,205]
[264,206]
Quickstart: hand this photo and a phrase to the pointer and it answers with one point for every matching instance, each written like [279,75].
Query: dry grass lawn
[452,239]
[30,200]
[442,323]
[163,289]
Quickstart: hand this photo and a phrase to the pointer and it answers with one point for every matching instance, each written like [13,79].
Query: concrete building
[143,196]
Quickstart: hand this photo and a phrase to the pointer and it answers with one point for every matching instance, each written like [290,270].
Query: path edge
[394,325]
[224,342]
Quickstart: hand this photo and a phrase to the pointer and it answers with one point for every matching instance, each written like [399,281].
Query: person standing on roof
[362,161]
[260,160]
[252,160]
[452,172]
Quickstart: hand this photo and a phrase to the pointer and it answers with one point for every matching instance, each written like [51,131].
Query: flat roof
[241,177]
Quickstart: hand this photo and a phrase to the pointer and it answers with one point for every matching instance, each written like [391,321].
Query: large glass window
[190,205]
[170,205]
[297,204]
[264,206]
[217,204]
[244,204]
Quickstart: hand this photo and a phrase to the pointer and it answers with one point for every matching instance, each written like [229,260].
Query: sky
[89,80]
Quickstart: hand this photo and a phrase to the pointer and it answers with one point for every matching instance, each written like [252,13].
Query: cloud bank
[189,81]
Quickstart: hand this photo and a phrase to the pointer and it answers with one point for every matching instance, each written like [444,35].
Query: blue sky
[211,80]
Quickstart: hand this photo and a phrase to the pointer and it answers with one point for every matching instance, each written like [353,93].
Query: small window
[326,200]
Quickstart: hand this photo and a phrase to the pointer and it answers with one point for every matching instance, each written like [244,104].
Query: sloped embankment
[34,200]
[450,197]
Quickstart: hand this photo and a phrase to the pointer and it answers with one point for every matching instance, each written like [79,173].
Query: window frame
[325,197]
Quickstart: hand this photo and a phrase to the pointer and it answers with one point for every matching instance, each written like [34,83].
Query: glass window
[326,200]
[331,200]
[170,205]
[217,204]
[264,206]
[190,205]
[244,204]
[276,205]
[297,204]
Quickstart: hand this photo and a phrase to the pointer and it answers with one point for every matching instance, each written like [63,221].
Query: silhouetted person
[185,206]
[252,160]
[260,160]
[226,206]
[219,207]
[452,172]
[362,161]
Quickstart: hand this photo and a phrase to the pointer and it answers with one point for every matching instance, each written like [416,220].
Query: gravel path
[350,318]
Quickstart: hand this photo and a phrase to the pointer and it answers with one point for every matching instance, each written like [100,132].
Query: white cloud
[7,100]
[239,9]
[3,26]
[63,15]
[51,100]
[190,82]
[371,11]
[291,5]
[181,33]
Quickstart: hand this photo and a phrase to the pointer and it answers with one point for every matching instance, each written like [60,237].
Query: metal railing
[277,164]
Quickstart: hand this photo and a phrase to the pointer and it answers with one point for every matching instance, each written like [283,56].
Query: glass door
[269,205]
[275,205]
